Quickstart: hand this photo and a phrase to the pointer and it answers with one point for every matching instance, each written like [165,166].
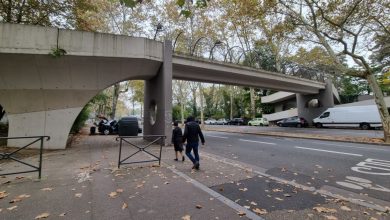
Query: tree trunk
[201,105]
[231,102]
[182,112]
[253,104]
[382,108]
[115,100]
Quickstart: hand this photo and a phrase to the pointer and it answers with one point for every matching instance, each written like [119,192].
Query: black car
[236,121]
[292,122]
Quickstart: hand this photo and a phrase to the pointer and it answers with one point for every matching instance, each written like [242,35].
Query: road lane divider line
[329,151]
[260,142]
[214,136]
[349,146]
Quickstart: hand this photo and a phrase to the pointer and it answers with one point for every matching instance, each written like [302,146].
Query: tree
[350,25]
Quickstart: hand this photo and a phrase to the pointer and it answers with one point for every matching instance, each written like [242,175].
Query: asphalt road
[360,168]
[319,131]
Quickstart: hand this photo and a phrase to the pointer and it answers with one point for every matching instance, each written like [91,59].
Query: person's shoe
[175,159]
[183,159]
[194,167]
[197,165]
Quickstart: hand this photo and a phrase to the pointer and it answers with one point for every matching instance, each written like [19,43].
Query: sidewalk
[82,182]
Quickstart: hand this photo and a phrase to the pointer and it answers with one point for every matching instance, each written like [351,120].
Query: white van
[365,117]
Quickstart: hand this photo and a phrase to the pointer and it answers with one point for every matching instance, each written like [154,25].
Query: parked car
[293,122]
[236,121]
[258,122]
[210,121]
[222,121]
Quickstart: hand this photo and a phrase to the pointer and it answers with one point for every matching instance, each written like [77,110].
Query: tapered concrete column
[325,98]
[158,98]
[56,124]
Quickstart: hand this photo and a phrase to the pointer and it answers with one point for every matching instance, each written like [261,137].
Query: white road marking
[207,135]
[329,151]
[339,145]
[260,142]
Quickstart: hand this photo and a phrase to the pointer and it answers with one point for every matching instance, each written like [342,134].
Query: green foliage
[80,120]
[57,52]
[176,115]
[130,3]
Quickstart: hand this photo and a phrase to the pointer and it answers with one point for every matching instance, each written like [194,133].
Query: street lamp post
[193,48]
[216,43]
[174,43]
[159,28]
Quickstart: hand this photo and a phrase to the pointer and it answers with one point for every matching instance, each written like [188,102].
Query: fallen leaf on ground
[310,215]
[243,189]
[277,198]
[199,206]
[47,189]
[287,195]
[12,207]
[253,203]
[372,218]
[277,190]
[119,190]
[113,194]
[124,206]
[62,214]
[247,206]
[78,195]
[241,213]
[345,208]
[324,210]
[283,169]
[186,217]
[330,217]
[43,215]
[260,211]
[3,194]
[366,213]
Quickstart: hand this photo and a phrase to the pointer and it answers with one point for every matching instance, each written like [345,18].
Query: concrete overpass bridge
[43,95]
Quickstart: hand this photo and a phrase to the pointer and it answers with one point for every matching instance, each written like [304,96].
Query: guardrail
[12,155]
[152,139]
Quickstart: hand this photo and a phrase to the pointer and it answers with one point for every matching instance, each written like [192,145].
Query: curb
[310,138]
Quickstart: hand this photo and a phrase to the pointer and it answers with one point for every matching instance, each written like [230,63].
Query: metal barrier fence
[153,139]
[12,155]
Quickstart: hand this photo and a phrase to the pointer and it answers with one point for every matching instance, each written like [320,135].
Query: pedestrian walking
[192,132]
[177,141]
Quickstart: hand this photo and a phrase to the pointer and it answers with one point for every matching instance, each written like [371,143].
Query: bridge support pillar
[54,123]
[158,98]
[311,106]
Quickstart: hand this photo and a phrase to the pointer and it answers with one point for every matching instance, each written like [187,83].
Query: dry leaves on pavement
[47,189]
[345,208]
[113,194]
[43,215]
[124,206]
[241,213]
[199,206]
[260,211]
[330,217]
[186,217]
[12,208]
[19,198]
[324,210]
[78,195]
[3,194]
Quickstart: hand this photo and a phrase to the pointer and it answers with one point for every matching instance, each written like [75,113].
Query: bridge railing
[13,155]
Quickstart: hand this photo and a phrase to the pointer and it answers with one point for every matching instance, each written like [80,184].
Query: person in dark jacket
[177,141]
[192,133]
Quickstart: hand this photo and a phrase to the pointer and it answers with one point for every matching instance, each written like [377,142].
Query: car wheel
[365,126]
[106,131]
[250,124]
[261,125]
[318,125]
[299,125]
